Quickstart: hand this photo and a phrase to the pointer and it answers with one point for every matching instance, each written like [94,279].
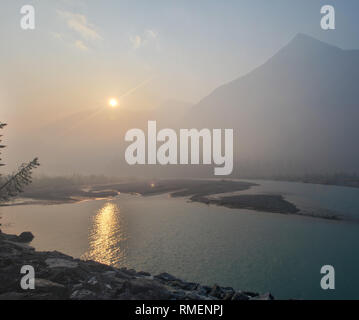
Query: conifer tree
[12,185]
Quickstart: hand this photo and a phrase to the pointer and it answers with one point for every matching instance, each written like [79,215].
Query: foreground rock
[58,276]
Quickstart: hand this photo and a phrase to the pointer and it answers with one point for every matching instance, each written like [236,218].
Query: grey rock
[92,281]
[43,285]
[192,296]
[60,263]
[19,245]
[178,295]
[77,286]
[123,275]
[228,296]
[26,237]
[203,290]
[166,277]
[109,274]
[216,292]
[129,272]
[83,294]
[14,296]
[266,296]
[145,289]
[239,296]
[182,284]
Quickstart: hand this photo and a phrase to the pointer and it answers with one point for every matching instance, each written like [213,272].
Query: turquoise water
[245,249]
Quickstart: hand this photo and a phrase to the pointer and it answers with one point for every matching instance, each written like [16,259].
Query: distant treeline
[339,179]
[44,181]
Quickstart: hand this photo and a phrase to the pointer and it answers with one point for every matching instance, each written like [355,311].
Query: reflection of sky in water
[107,238]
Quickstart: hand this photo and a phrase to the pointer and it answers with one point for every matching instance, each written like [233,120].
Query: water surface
[245,249]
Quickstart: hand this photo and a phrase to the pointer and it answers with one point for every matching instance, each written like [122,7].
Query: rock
[203,290]
[140,289]
[266,296]
[77,286]
[129,272]
[250,294]
[190,286]
[165,277]
[13,296]
[43,285]
[26,237]
[143,274]
[83,294]
[109,274]
[228,296]
[93,281]
[239,296]
[192,296]
[216,292]
[60,263]
[19,245]
[123,275]
[178,295]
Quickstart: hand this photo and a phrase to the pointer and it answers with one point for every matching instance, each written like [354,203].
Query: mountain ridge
[294,111]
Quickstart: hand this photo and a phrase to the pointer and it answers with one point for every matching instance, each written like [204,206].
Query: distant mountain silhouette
[297,113]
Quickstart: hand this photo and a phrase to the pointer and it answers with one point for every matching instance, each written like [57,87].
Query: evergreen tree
[14,184]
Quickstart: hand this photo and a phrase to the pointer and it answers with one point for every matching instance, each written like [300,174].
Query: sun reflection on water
[107,237]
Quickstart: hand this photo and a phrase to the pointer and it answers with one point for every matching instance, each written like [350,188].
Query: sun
[113,102]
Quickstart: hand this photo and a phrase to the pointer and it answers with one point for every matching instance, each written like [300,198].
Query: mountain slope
[296,113]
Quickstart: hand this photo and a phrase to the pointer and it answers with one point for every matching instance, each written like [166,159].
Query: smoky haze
[295,114]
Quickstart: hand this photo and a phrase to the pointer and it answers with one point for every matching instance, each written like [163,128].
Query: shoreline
[62,277]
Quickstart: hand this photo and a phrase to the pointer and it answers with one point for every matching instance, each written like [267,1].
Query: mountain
[296,113]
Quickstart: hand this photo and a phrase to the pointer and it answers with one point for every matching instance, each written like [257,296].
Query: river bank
[59,276]
[225,193]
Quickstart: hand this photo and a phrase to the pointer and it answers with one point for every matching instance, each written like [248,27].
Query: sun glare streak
[143,83]
[112,103]
[106,239]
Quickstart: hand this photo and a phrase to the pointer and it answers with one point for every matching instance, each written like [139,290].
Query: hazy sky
[82,52]
[149,52]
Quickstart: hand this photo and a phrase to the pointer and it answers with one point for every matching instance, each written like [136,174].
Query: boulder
[216,292]
[26,237]
[43,285]
[165,277]
[83,294]
[266,296]
[144,289]
[60,263]
[239,296]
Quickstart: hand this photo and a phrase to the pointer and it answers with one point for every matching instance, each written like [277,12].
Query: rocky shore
[59,276]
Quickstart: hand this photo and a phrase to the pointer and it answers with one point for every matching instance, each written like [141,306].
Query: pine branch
[15,184]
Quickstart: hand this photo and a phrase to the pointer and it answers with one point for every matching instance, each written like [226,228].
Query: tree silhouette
[14,184]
